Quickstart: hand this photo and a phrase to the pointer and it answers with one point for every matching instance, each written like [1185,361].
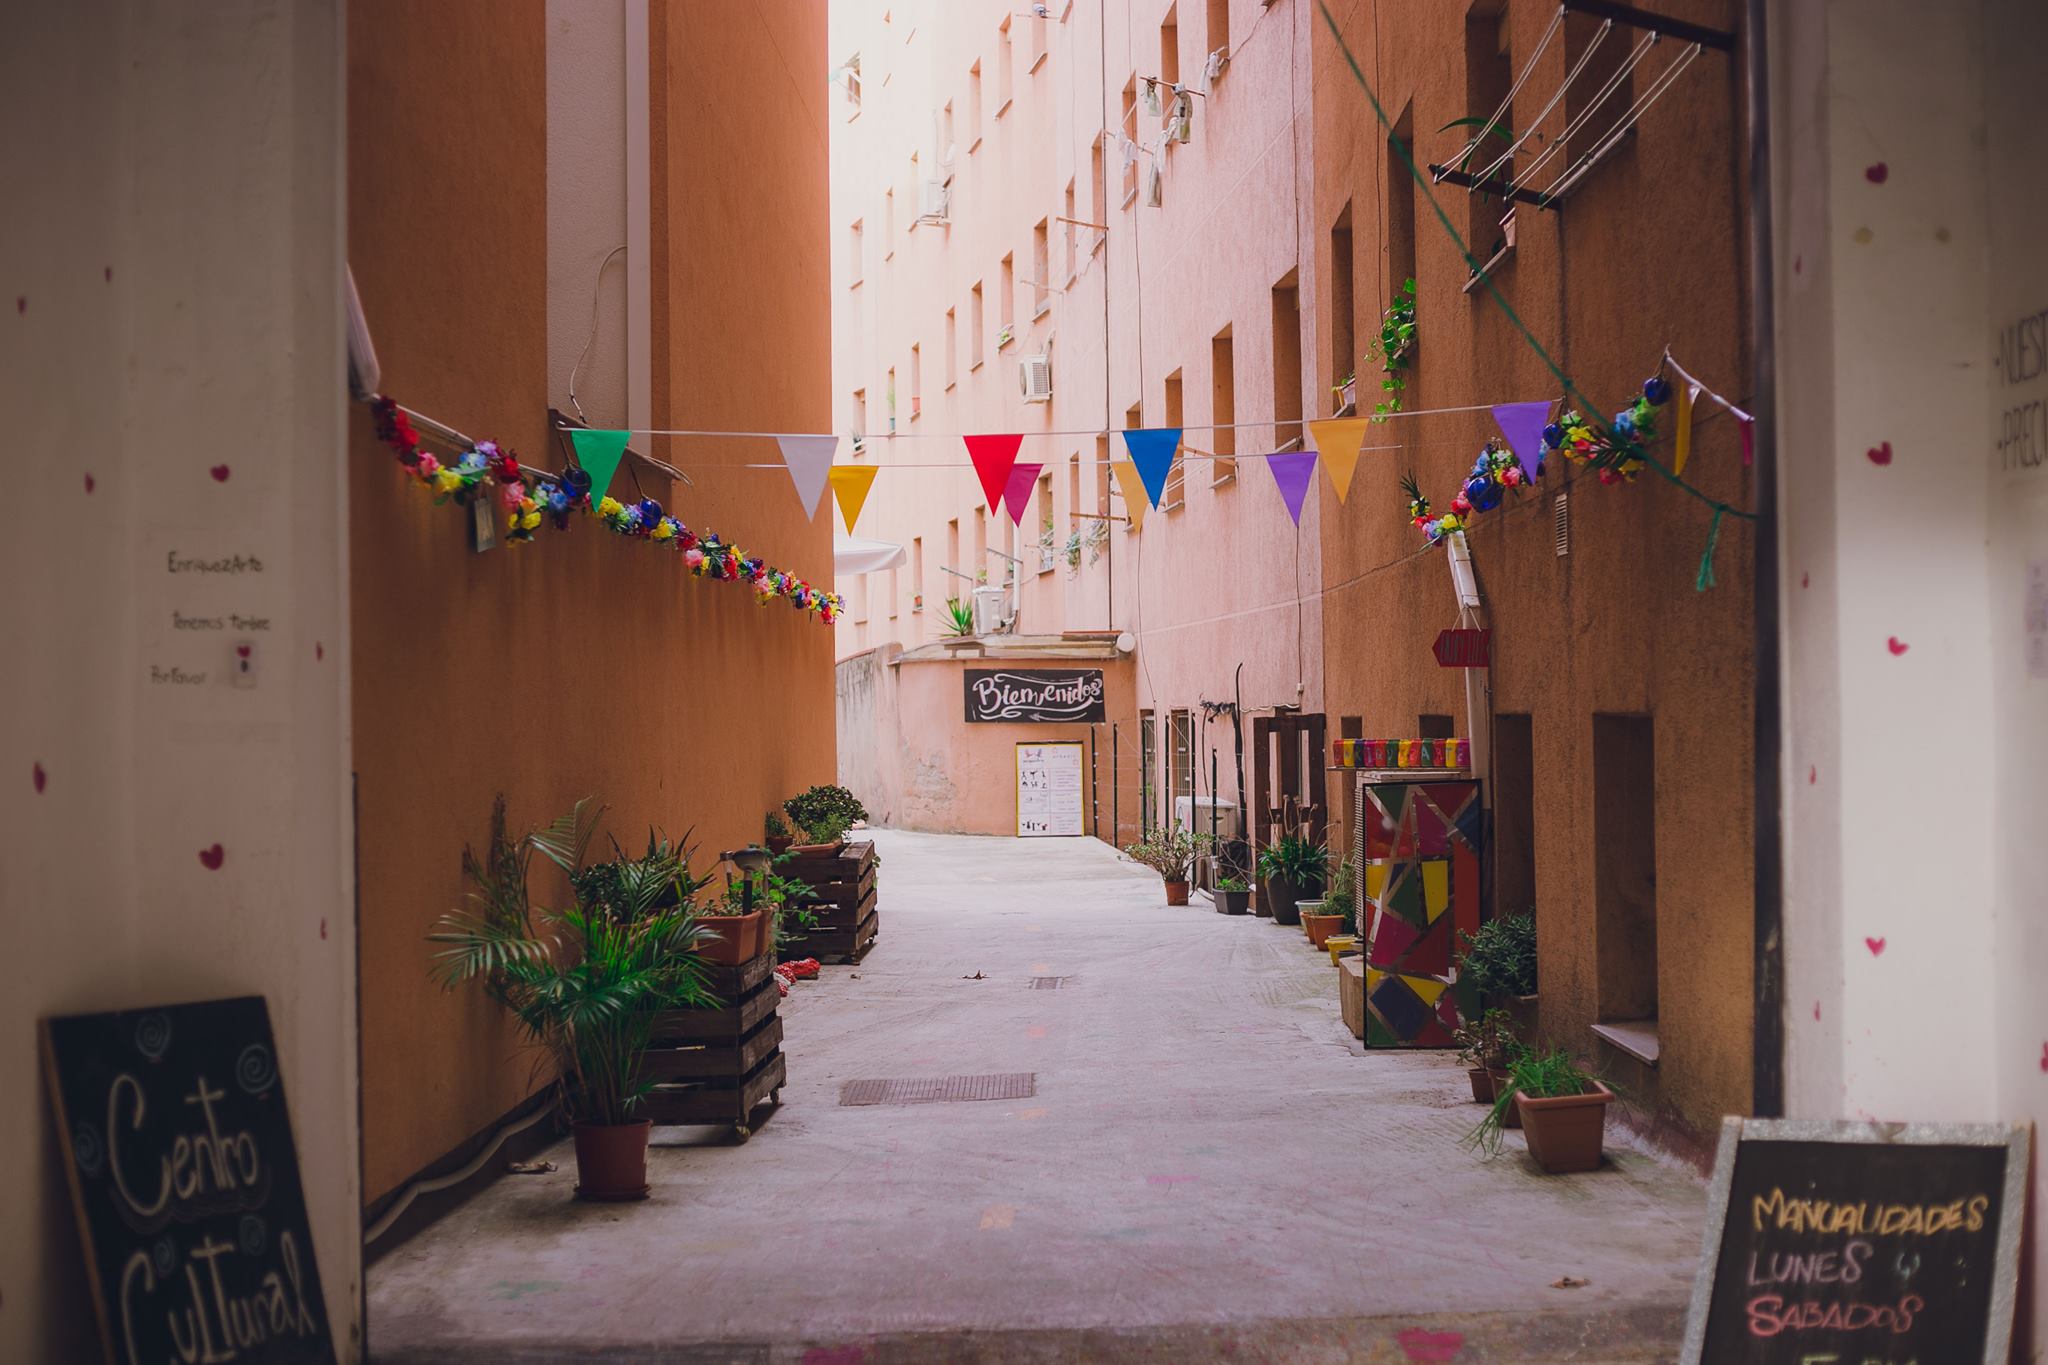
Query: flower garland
[554,496]
[1615,452]
[1496,470]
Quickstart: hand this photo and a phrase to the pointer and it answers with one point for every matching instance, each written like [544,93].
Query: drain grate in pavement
[1048,983]
[1015,1085]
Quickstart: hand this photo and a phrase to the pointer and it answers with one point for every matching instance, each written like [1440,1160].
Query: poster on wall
[185,1182]
[1043,696]
[1048,790]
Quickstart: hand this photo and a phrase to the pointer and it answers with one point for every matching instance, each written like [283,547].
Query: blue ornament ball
[1656,390]
[1553,436]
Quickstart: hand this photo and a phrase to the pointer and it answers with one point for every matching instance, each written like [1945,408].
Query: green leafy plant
[1297,859]
[1500,960]
[959,617]
[825,812]
[1341,897]
[1487,1042]
[1393,352]
[786,899]
[585,982]
[659,880]
[1169,852]
[1486,127]
[1232,884]
[773,826]
[1539,1075]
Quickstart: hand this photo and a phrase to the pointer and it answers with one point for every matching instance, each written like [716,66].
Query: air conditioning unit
[935,201]
[1034,376]
[992,615]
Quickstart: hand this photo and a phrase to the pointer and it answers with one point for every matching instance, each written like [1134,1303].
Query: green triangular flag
[599,452]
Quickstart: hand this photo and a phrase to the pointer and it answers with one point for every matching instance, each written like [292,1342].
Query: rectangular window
[1007,304]
[860,418]
[1219,27]
[1071,265]
[1489,74]
[1433,725]
[1097,189]
[1625,866]
[1148,768]
[979,568]
[849,80]
[1074,493]
[1222,409]
[1134,417]
[952,348]
[952,585]
[1049,546]
[1174,497]
[1037,38]
[1006,63]
[975,331]
[1169,47]
[1286,365]
[1514,814]
[1582,96]
[1400,209]
[892,400]
[973,106]
[1041,269]
[1343,337]
[860,602]
[1129,130]
[916,381]
[855,255]
[1180,764]
[917,573]
[946,151]
[1102,477]
[894,589]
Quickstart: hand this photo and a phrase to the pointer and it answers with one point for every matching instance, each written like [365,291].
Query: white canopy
[851,555]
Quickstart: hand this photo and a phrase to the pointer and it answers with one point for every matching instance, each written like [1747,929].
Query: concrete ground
[1211,1169]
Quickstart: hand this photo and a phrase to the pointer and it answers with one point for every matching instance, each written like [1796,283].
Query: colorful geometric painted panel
[1419,851]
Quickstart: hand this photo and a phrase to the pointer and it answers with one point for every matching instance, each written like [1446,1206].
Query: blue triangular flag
[1152,450]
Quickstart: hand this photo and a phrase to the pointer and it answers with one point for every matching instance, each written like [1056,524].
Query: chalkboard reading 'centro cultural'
[1034,695]
[1848,1243]
[186,1184]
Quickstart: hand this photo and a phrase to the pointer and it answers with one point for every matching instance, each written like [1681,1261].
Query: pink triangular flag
[1017,492]
[809,459]
[1293,470]
[993,456]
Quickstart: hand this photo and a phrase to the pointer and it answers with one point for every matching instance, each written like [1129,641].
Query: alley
[1209,1167]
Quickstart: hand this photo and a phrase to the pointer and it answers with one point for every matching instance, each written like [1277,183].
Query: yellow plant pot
[1340,944]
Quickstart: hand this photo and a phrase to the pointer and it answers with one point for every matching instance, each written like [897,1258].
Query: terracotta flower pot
[1320,927]
[1176,893]
[1513,1117]
[611,1161]
[1233,902]
[740,938]
[1566,1131]
[817,850]
[1303,909]
[1482,1085]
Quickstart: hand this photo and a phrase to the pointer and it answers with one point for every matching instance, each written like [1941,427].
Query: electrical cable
[596,293]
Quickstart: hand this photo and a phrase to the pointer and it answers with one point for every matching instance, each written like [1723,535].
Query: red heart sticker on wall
[1876,946]
[241,651]
[89,485]
[1896,645]
[41,778]
[212,858]
[1877,172]
[1880,454]
[219,472]
[1421,1344]
[319,651]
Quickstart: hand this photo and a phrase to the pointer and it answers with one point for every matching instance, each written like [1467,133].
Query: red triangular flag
[993,456]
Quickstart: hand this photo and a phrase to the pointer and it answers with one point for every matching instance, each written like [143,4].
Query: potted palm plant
[1170,853]
[959,623]
[584,982]
[1292,869]
[1333,912]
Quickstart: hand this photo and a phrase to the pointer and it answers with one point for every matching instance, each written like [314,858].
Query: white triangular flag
[809,459]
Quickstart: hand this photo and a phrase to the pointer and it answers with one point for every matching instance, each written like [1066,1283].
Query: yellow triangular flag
[1133,488]
[850,484]
[1337,440]
[1681,435]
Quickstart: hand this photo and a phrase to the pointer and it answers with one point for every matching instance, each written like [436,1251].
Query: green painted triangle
[599,452]
[1404,898]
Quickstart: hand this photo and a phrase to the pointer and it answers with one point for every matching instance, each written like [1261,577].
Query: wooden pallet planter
[715,1066]
[843,897]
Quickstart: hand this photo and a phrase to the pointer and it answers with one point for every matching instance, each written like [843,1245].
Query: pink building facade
[1008,192]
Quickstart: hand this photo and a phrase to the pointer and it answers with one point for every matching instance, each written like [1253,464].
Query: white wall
[170,265]
[1908,244]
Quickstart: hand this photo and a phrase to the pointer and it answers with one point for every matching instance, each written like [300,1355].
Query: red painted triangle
[993,456]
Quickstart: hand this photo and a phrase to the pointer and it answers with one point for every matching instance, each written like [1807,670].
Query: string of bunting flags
[530,497]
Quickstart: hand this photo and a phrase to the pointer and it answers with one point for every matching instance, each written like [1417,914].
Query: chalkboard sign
[186,1185]
[1037,695]
[1860,1244]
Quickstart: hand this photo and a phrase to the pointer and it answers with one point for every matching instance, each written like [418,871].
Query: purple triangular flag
[1293,470]
[1522,424]
[809,459]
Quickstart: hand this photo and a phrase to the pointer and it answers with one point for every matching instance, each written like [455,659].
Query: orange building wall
[583,664]
[1649,251]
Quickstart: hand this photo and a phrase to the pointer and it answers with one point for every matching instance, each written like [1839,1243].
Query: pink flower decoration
[513,494]
[694,558]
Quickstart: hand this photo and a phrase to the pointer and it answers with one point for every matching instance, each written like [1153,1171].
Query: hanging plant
[1394,351]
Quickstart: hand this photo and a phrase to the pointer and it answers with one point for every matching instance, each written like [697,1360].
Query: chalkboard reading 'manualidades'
[186,1184]
[1860,1244]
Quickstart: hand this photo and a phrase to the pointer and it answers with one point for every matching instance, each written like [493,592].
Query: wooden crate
[718,1065]
[844,896]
